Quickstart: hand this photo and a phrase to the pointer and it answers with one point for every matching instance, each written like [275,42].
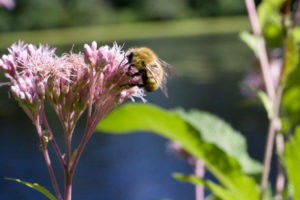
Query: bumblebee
[153,70]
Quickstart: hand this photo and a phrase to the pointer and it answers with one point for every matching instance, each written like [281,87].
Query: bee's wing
[168,69]
[163,85]
[153,70]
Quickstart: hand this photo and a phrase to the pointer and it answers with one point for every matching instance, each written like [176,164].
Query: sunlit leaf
[215,131]
[267,103]
[267,9]
[73,154]
[216,189]
[35,186]
[145,117]
[292,160]
[250,40]
[291,99]
[291,57]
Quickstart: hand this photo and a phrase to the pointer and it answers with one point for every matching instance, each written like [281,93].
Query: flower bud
[94,46]
[88,54]
[41,90]
[31,50]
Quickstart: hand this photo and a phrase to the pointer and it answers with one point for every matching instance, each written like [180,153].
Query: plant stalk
[273,128]
[53,141]
[262,52]
[68,185]
[200,172]
[52,176]
[280,182]
[47,158]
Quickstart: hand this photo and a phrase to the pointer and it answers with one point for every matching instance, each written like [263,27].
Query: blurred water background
[211,63]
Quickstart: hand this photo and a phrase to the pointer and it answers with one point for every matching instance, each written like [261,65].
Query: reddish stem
[199,172]
[53,141]
[52,176]
[68,186]
[280,182]
[262,52]
[47,158]
[273,128]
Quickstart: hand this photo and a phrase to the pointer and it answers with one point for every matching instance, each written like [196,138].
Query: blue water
[138,166]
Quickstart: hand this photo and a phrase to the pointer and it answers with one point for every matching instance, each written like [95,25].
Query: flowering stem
[47,158]
[199,172]
[68,185]
[81,146]
[262,52]
[275,96]
[273,128]
[52,176]
[280,176]
[53,141]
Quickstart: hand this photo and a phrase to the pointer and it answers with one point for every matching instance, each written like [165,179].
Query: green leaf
[291,98]
[292,161]
[267,9]
[218,190]
[35,186]
[291,57]
[73,155]
[169,124]
[250,40]
[267,103]
[215,131]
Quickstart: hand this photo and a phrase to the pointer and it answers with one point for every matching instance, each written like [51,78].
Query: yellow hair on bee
[150,67]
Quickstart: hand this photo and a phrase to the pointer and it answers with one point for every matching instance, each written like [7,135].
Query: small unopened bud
[64,86]
[22,84]
[45,139]
[29,97]
[21,95]
[41,90]
[8,64]
[88,53]
[100,62]
[50,84]
[94,46]
[31,50]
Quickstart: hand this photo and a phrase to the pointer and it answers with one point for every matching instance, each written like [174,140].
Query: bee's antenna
[122,61]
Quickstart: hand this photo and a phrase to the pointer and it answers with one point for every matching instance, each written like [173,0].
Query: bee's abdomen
[151,85]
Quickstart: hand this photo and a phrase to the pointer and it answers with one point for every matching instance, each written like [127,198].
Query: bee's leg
[141,72]
[129,69]
[140,85]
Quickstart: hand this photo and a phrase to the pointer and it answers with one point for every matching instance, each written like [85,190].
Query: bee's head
[130,55]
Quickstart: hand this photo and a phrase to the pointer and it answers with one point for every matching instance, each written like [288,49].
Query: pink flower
[23,67]
[97,79]
[109,79]
[254,79]
[9,4]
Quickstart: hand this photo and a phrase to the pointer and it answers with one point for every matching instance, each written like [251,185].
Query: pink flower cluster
[98,79]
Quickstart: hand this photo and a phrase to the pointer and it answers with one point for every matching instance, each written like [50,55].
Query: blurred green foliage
[37,14]
[203,135]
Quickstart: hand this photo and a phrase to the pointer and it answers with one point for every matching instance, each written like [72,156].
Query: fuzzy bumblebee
[153,70]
